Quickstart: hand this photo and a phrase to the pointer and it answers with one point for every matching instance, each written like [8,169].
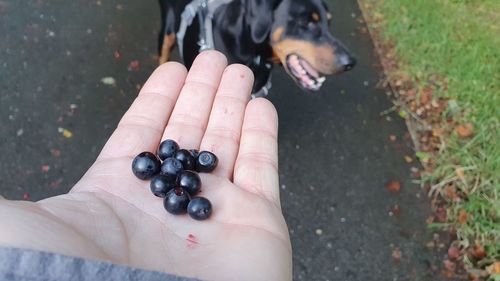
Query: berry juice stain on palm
[192,241]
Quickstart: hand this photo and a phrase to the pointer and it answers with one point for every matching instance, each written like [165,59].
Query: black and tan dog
[259,33]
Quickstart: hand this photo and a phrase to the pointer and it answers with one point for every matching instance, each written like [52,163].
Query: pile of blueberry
[174,177]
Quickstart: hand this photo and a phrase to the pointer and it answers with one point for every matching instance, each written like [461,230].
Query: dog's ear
[260,18]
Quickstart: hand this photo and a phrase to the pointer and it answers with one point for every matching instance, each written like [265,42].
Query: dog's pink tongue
[309,68]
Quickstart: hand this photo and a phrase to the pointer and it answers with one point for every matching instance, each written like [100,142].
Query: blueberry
[206,162]
[194,153]
[189,181]
[176,201]
[146,165]
[171,167]
[199,208]
[167,149]
[186,158]
[160,185]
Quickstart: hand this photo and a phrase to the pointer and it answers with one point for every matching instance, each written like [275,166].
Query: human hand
[111,215]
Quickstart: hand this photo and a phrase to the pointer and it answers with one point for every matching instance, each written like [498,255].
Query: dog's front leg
[168,43]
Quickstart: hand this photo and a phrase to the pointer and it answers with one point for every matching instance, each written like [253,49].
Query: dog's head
[301,40]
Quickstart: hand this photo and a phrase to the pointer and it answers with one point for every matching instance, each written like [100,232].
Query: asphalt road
[337,149]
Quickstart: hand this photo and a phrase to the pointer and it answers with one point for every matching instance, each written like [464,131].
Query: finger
[256,168]
[142,126]
[190,116]
[222,136]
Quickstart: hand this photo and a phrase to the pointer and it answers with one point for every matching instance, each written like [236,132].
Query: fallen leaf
[430,220]
[408,159]
[403,114]
[448,274]
[425,96]
[45,168]
[453,253]
[117,55]
[460,173]
[423,156]
[437,132]
[462,216]
[494,268]
[67,133]
[110,81]
[393,186]
[134,65]
[449,265]
[474,276]
[396,210]
[411,92]
[397,254]
[55,152]
[441,215]
[430,244]
[55,184]
[465,131]
[392,138]
[26,196]
[450,192]
[478,252]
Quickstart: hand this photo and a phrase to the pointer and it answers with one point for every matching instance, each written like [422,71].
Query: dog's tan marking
[277,34]
[315,17]
[168,42]
[321,57]
[275,59]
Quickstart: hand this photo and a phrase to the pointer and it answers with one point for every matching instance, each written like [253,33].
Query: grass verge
[442,59]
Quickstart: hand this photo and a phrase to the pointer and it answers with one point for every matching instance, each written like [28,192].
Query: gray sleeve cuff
[28,265]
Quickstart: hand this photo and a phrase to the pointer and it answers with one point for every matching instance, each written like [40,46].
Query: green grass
[460,41]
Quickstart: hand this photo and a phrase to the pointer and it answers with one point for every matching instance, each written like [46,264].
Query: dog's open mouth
[308,77]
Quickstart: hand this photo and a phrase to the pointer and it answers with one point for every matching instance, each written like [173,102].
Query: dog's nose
[348,62]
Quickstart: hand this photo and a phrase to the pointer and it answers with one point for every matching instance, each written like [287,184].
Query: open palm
[111,215]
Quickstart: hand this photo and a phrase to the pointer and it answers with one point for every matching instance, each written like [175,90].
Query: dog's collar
[205,10]
[264,91]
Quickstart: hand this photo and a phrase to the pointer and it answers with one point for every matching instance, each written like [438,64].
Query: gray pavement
[336,155]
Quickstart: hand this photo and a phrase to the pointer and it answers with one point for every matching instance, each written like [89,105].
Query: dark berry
[190,181]
[161,184]
[194,152]
[176,201]
[167,149]
[186,159]
[171,167]
[146,165]
[206,162]
[199,208]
